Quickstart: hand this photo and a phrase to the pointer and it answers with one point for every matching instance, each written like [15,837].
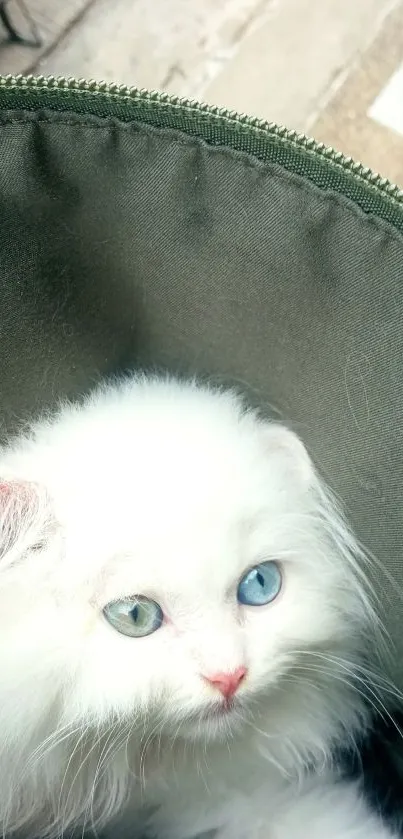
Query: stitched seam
[247,160]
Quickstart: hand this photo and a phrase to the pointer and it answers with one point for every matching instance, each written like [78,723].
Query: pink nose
[227,683]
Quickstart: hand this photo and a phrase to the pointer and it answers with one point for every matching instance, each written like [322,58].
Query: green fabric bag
[139,229]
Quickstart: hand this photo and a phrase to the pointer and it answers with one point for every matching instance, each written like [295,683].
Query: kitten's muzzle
[227,683]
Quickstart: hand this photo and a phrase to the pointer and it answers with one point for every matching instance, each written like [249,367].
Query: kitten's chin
[213,723]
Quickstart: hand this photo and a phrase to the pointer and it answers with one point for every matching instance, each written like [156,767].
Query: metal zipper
[241,121]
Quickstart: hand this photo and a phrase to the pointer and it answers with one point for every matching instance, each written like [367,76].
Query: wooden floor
[322,67]
[52,19]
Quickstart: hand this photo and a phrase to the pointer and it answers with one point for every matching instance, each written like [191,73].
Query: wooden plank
[173,45]
[351,122]
[52,18]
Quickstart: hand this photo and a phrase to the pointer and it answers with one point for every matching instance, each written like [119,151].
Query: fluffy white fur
[173,491]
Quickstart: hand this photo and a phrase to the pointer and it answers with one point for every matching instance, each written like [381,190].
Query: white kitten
[182,615]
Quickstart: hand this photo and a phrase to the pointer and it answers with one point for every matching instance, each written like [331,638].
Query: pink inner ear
[19,501]
[12,488]
[21,492]
[5,489]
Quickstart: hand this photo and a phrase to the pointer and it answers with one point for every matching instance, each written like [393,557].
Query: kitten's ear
[23,514]
[280,442]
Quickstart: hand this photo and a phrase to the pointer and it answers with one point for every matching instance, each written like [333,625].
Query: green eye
[136,616]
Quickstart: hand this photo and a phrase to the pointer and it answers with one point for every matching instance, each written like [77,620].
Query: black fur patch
[378,763]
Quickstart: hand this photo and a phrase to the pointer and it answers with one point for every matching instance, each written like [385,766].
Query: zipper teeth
[242,121]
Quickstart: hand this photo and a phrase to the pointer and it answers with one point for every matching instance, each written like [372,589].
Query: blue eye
[260,585]
[136,616]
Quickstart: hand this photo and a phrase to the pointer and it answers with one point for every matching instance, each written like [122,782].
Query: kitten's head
[169,559]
